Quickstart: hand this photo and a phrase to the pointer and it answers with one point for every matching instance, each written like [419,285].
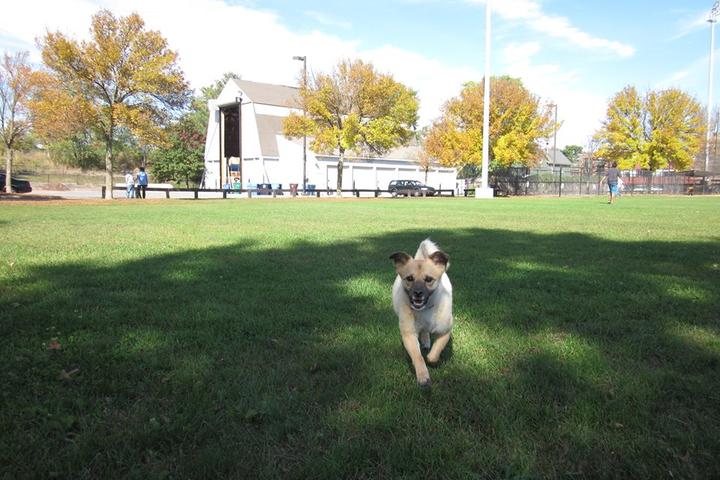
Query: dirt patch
[28,197]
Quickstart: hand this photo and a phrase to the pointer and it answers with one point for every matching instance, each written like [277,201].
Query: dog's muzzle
[418,299]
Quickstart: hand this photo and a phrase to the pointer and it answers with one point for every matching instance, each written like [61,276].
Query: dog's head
[420,278]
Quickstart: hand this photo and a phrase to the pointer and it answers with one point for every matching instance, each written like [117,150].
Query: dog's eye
[410,278]
[429,279]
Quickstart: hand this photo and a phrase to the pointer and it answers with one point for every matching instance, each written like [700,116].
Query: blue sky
[574,53]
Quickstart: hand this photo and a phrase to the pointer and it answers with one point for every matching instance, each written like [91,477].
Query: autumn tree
[354,108]
[517,122]
[17,83]
[124,76]
[659,129]
[424,161]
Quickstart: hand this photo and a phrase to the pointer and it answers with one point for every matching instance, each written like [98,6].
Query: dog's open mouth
[418,303]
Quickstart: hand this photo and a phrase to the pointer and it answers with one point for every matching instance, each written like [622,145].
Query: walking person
[142,182]
[612,176]
[129,184]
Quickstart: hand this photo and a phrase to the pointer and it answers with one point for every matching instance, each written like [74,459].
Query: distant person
[130,185]
[142,181]
[612,176]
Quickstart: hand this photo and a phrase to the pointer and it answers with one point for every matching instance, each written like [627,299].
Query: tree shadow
[572,355]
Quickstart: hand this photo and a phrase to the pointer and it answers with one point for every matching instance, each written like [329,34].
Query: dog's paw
[424,383]
[433,360]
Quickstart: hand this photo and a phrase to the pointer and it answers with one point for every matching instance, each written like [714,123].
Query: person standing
[612,176]
[129,184]
[142,181]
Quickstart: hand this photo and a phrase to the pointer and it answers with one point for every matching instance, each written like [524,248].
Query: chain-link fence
[573,181]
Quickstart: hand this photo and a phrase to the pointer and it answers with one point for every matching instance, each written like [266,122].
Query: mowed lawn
[256,339]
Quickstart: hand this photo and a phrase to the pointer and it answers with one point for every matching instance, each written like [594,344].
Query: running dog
[422,299]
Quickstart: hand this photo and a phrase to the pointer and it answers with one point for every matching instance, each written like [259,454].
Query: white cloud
[530,13]
[579,111]
[213,37]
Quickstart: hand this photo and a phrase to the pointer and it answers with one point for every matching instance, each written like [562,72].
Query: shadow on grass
[572,355]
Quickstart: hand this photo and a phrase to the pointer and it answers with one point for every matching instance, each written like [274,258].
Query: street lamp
[485,191]
[712,19]
[304,60]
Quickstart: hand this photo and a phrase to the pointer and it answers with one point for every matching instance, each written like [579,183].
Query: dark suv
[18,186]
[410,187]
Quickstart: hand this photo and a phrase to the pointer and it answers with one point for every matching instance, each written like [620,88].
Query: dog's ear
[440,258]
[400,258]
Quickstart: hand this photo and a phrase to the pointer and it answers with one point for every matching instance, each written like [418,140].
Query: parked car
[410,187]
[18,186]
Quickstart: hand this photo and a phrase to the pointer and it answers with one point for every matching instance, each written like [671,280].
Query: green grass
[256,339]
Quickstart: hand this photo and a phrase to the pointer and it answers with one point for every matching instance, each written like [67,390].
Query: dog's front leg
[412,345]
[438,347]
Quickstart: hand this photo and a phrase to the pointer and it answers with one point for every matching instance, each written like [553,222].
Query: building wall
[286,167]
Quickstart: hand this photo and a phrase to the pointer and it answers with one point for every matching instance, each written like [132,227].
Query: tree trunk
[8,169]
[341,162]
[426,172]
[109,169]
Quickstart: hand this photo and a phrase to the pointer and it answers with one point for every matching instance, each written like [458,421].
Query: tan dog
[422,298]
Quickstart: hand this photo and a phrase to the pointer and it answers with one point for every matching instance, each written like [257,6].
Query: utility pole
[304,60]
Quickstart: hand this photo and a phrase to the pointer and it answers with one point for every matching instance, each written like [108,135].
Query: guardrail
[274,192]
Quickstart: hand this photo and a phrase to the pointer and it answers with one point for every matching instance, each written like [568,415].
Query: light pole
[554,156]
[304,60]
[485,191]
[712,19]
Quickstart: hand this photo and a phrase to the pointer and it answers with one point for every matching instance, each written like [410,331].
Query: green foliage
[572,152]
[663,129]
[184,159]
[80,150]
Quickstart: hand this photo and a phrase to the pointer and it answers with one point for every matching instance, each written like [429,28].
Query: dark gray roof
[269,94]
[559,158]
[269,127]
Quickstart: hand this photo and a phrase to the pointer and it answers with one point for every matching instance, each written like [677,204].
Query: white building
[269,157]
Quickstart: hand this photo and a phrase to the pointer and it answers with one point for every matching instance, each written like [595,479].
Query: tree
[354,108]
[80,150]
[516,123]
[656,130]
[184,160]
[17,84]
[125,76]
[572,152]
[424,161]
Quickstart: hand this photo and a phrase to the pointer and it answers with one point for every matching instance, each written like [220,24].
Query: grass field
[256,339]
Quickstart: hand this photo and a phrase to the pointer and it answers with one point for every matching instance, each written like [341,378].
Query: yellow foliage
[354,108]
[516,123]
[663,129]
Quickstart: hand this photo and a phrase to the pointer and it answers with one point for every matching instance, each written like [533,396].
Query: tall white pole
[712,19]
[486,101]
